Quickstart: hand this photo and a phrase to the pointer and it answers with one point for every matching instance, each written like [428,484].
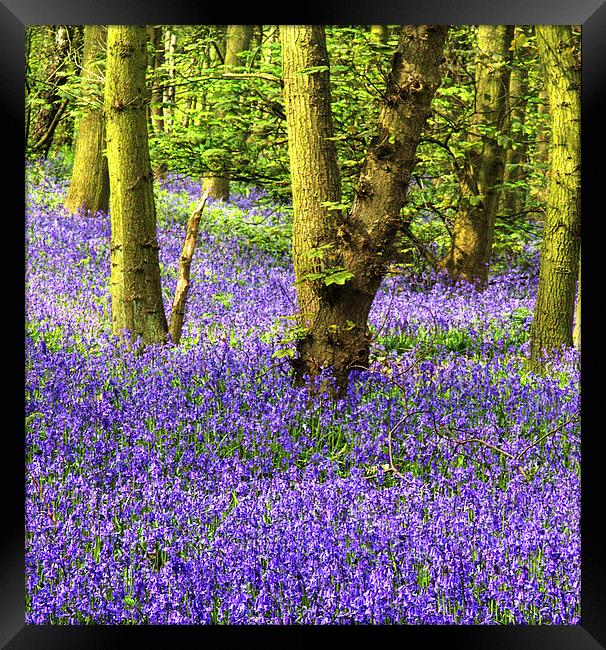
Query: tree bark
[576,333]
[137,307]
[357,246]
[482,169]
[89,186]
[379,33]
[157,75]
[315,179]
[237,41]
[168,96]
[559,265]
[514,198]
[177,314]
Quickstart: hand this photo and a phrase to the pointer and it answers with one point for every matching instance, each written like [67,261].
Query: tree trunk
[257,37]
[542,136]
[177,313]
[514,198]
[482,169]
[44,124]
[379,33]
[237,41]
[559,266]
[315,180]
[89,186]
[356,247]
[576,333]
[157,74]
[541,149]
[168,96]
[136,292]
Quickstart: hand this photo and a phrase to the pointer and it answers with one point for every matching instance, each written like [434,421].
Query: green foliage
[234,125]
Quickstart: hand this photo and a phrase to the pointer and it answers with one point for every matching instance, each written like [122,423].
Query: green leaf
[340,277]
[308,277]
[129,601]
[320,251]
[284,352]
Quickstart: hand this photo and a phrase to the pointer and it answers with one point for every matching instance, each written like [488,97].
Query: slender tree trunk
[46,119]
[576,333]
[157,74]
[168,97]
[356,247]
[482,169]
[559,266]
[89,186]
[273,36]
[136,292]
[379,33]
[257,37]
[237,41]
[177,314]
[514,198]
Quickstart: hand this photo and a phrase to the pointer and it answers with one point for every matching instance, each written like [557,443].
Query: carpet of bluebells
[195,484]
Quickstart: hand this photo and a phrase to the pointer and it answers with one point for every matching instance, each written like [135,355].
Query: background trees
[89,186]
[49,66]
[216,101]
[480,172]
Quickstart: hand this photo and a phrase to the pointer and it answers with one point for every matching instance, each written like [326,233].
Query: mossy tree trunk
[89,186]
[168,88]
[314,172]
[379,33]
[576,333]
[514,193]
[157,75]
[347,255]
[560,249]
[237,41]
[481,172]
[136,293]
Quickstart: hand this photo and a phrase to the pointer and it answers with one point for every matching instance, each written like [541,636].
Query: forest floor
[195,484]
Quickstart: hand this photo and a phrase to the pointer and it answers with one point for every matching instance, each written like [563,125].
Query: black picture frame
[591,15]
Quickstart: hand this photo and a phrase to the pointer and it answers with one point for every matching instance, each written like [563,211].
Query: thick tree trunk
[552,323]
[45,122]
[137,306]
[357,247]
[482,169]
[541,149]
[89,186]
[542,136]
[237,41]
[315,180]
[514,198]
